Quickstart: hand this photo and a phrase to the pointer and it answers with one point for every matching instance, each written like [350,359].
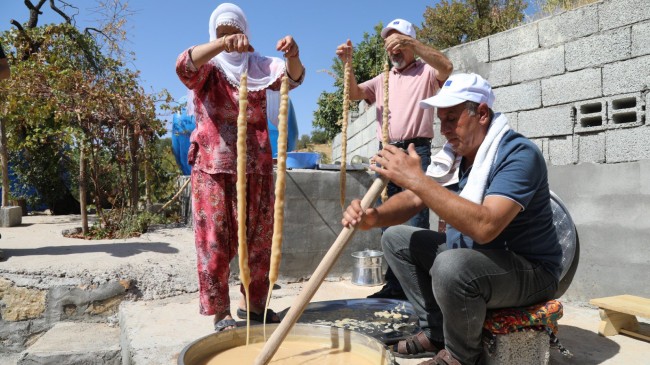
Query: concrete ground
[154,329]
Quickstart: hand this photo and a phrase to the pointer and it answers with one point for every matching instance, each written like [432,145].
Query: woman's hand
[289,46]
[237,43]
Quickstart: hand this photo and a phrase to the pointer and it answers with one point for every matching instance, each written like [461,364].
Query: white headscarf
[262,71]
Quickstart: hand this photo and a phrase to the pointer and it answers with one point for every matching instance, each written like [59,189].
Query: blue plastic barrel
[182,127]
[292,132]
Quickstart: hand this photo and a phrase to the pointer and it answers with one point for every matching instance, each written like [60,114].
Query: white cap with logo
[460,88]
[400,25]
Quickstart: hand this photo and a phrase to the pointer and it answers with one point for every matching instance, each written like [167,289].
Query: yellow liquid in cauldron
[297,352]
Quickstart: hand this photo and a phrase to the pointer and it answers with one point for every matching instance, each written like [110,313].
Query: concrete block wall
[362,135]
[564,78]
[578,85]
[312,222]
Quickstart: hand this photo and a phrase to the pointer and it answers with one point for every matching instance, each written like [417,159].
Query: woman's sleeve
[187,72]
[275,86]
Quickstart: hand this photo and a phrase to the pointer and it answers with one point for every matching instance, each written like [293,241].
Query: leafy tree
[319,136]
[450,23]
[303,142]
[368,61]
[69,103]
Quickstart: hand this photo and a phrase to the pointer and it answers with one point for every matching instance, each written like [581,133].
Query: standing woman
[212,72]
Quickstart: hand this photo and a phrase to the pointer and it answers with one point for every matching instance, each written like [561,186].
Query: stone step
[155,332]
[75,343]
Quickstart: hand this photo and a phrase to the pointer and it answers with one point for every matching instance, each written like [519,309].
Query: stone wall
[577,84]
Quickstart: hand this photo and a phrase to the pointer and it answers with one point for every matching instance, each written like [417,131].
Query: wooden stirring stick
[271,346]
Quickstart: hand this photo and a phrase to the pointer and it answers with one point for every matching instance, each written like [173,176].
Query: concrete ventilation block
[590,115]
[626,110]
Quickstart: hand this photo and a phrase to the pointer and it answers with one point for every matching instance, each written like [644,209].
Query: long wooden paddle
[271,346]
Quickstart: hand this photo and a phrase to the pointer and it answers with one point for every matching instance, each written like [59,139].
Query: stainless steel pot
[200,350]
[368,268]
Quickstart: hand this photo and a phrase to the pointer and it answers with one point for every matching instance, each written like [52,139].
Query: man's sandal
[415,347]
[442,358]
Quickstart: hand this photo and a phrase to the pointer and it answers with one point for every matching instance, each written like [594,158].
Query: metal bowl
[201,350]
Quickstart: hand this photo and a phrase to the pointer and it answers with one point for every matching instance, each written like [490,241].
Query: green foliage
[368,61]
[125,223]
[164,170]
[319,136]
[547,7]
[450,23]
[303,142]
[46,168]
[65,95]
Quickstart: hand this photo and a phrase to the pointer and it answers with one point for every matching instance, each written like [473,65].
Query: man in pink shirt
[410,80]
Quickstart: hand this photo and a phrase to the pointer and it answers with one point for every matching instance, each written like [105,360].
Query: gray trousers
[451,290]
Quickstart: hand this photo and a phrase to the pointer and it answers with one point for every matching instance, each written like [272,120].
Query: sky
[160,30]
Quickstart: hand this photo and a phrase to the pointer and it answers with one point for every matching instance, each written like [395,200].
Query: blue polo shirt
[519,173]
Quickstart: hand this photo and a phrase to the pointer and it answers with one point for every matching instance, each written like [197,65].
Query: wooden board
[618,315]
[629,304]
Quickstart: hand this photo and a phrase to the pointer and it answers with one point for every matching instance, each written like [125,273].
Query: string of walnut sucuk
[278,212]
[344,127]
[244,270]
[384,121]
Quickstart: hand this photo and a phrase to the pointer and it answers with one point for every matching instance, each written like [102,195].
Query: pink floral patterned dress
[213,155]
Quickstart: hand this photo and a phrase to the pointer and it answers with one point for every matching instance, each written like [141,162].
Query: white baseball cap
[400,25]
[460,88]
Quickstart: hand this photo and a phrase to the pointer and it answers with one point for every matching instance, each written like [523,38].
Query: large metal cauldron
[200,350]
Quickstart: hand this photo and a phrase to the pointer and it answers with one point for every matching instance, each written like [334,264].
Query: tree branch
[64,15]
[34,12]
[17,25]
[88,29]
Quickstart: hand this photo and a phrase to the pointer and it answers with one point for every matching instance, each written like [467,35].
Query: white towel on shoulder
[444,166]
[474,190]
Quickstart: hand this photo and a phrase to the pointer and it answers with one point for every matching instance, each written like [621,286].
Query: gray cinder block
[538,64]
[11,216]
[626,76]
[513,42]
[591,148]
[574,86]
[627,144]
[599,49]
[546,122]
[526,347]
[498,73]
[568,25]
[625,110]
[591,116]
[562,151]
[614,14]
[640,36]
[522,96]
[469,57]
